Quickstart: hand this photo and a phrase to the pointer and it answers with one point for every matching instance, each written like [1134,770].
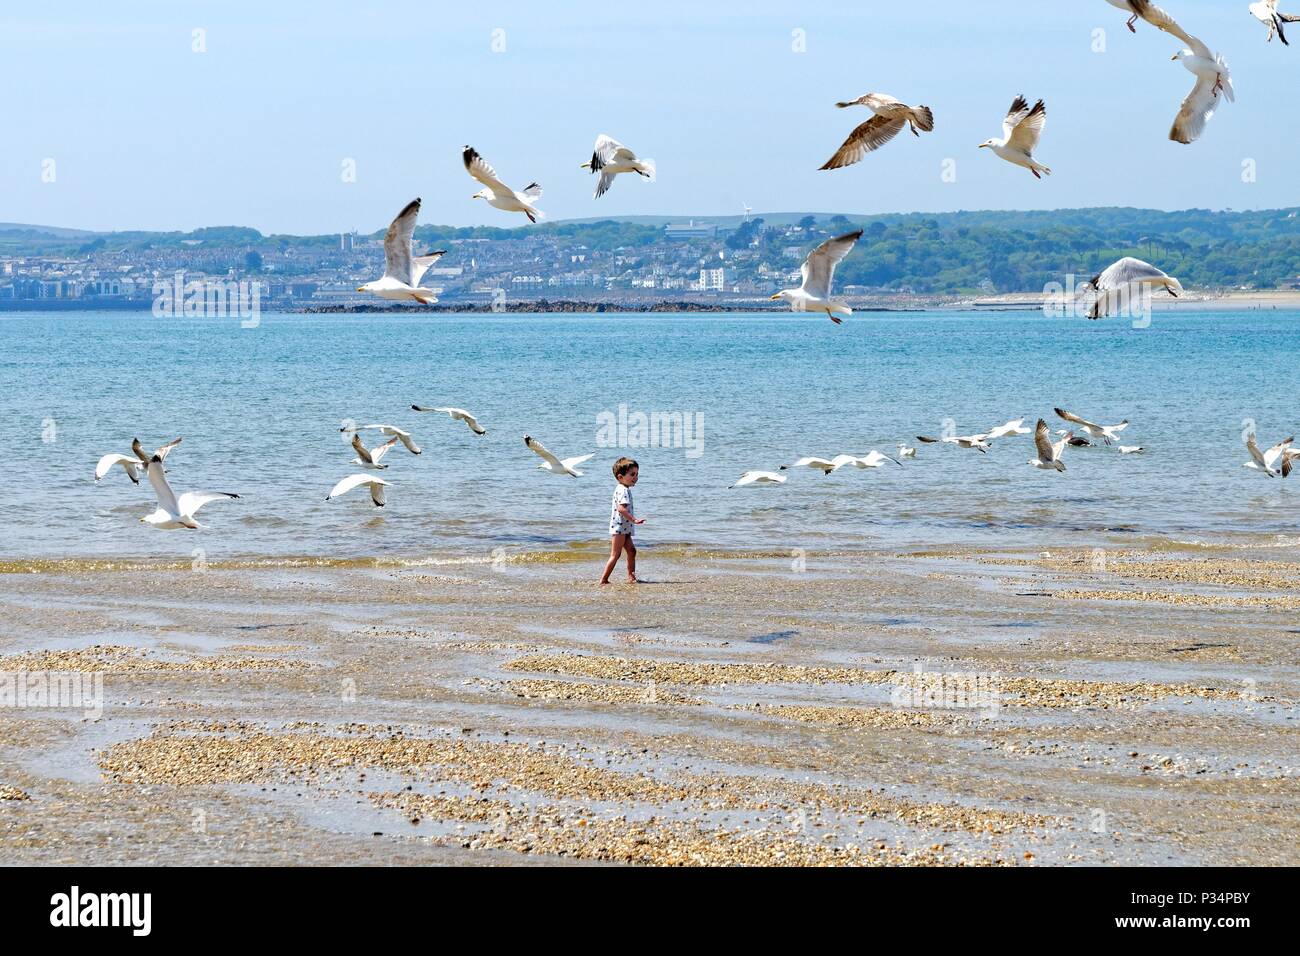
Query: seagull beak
[777,296]
[360,289]
[982,145]
[1174,57]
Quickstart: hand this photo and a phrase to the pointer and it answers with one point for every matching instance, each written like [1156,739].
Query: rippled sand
[938,708]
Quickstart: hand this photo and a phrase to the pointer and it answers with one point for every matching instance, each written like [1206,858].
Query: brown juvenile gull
[890,115]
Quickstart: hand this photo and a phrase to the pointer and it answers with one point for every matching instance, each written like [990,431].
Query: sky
[176,115]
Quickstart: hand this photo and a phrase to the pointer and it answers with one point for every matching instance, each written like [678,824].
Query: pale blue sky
[147,134]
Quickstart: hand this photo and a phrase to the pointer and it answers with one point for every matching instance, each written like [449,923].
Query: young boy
[622,519]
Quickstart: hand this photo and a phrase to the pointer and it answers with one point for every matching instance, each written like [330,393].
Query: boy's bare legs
[630,548]
[615,549]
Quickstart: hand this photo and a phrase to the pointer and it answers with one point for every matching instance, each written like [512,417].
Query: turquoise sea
[260,411]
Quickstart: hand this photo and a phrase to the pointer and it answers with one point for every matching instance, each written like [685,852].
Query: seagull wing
[127,462]
[1019,110]
[190,502]
[571,463]
[379,451]
[397,244]
[819,268]
[1071,417]
[140,453]
[406,439]
[353,481]
[162,450]
[477,167]
[362,451]
[609,150]
[1255,453]
[540,450]
[872,134]
[1125,272]
[166,497]
[602,185]
[420,265]
[1027,130]
[1195,112]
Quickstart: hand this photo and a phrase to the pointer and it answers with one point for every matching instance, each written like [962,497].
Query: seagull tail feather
[647,168]
[923,119]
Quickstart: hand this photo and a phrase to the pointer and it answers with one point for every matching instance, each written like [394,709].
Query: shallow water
[260,410]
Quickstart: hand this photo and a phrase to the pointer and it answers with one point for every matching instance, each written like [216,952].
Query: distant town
[728,262]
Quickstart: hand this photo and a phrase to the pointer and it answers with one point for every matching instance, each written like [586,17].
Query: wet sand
[1135,706]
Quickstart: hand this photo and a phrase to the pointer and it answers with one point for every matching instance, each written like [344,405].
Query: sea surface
[260,410]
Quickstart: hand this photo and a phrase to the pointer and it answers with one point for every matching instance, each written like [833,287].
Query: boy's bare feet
[633,580]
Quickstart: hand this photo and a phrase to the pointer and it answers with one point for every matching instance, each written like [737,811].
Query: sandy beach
[953,707]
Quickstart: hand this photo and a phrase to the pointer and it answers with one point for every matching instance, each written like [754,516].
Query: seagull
[609,158]
[458,414]
[824,465]
[905,452]
[375,483]
[1074,441]
[1120,281]
[175,512]
[403,270]
[1020,131]
[1131,449]
[758,478]
[556,466]
[497,193]
[1107,433]
[890,116]
[813,295]
[1144,9]
[133,463]
[1265,11]
[390,430]
[1049,454]
[961,441]
[1013,427]
[872,459]
[129,464]
[1212,78]
[369,457]
[1267,461]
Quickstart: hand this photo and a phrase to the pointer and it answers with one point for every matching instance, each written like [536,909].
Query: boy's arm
[622,509]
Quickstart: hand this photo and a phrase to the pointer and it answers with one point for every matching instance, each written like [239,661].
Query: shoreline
[953,706]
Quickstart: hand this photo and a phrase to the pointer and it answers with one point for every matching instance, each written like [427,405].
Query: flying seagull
[758,478]
[979,442]
[458,414]
[1131,449]
[1013,427]
[1107,433]
[556,466]
[890,116]
[814,293]
[390,430]
[1020,131]
[1267,461]
[1266,12]
[906,451]
[374,482]
[824,465]
[872,459]
[1212,79]
[609,158]
[369,457]
[1076,441]
[1120,281]
[134,463]
[403,270]
[174,512]
[1289,455]
[1049,453]
[497,193]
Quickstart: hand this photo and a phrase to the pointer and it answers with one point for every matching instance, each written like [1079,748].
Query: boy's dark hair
[623,466]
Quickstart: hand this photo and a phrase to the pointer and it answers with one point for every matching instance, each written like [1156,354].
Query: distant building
[347,241]
[712,280]
[691,230]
